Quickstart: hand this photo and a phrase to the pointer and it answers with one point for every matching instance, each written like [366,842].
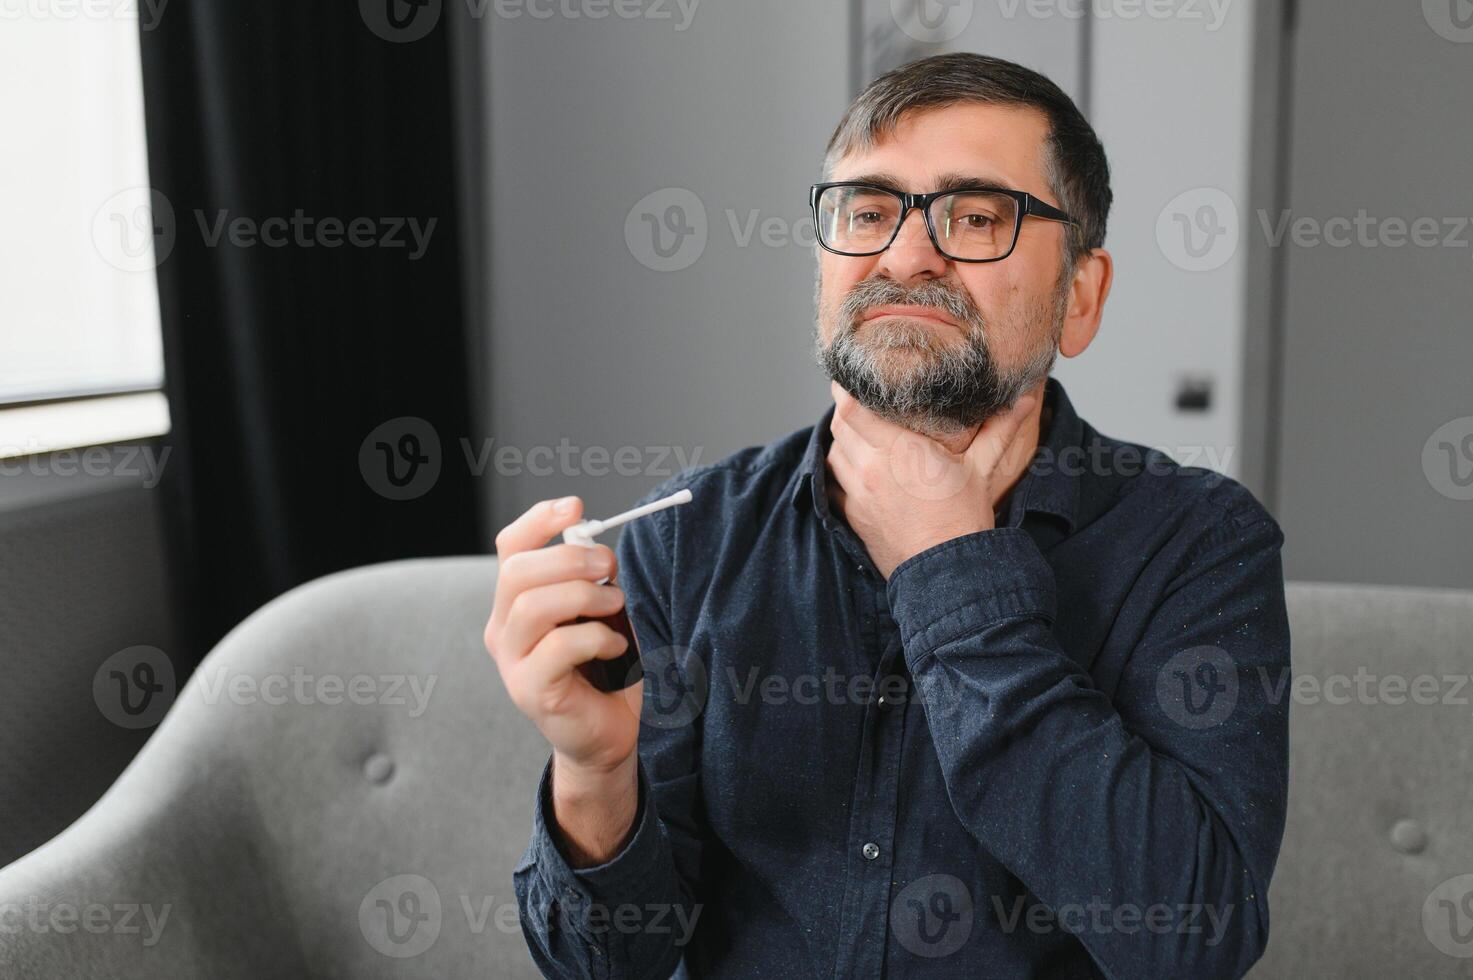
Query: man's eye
[977,221]
[868,217]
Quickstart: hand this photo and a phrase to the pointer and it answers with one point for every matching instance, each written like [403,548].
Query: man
[948,684]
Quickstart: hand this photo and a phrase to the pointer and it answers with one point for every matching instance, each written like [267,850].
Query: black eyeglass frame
[1027,204]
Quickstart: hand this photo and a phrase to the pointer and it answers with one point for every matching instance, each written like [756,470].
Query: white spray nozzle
[584,532]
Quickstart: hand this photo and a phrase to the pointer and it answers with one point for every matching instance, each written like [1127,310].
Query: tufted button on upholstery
[379,768]
[1408,837]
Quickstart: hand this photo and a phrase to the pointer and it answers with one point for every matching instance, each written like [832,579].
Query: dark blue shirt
[1050,749]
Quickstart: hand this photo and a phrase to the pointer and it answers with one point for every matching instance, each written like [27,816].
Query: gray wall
[1170,97]
[1377,340]
[590,344]
[83,577]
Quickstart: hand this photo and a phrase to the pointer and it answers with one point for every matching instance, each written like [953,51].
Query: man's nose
[912,255]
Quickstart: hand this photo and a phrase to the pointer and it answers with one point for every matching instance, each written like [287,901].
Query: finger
[847,409]
[855,451]
[868,426]
[539,523]
[848,475]
[562,650]
[524,570]
[842,398]
[850,438]
[1018,449]
[998,433]
[536,612]
[529,531]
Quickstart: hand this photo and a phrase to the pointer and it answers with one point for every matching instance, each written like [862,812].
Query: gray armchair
[308,839]
[288,820]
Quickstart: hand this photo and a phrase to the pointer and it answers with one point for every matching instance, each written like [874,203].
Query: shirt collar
[1046,487]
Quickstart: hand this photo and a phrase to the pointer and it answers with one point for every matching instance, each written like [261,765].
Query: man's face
[932,344]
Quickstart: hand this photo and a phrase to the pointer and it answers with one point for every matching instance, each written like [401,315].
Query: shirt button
[883,702]
[870,851]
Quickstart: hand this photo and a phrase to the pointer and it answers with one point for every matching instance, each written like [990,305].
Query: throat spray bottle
[624,670]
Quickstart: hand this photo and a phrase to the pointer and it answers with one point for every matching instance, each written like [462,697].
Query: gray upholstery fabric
[272,837]
[259,824]
[1369,774]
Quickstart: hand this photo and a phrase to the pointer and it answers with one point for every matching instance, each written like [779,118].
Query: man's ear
[1087,295]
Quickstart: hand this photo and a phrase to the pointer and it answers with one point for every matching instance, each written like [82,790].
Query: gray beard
[952,386]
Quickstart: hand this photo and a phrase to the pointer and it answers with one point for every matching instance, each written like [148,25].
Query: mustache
[949,297]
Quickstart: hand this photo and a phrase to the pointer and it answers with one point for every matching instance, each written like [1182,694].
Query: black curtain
[318,350]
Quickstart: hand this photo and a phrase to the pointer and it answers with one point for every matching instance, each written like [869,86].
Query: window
[79,310]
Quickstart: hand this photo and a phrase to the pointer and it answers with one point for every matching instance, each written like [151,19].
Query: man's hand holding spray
[567,654]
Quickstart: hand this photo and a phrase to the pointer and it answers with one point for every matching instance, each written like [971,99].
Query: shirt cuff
[958,587]
[622,878]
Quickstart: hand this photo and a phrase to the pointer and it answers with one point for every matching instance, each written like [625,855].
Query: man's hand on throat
[904,493]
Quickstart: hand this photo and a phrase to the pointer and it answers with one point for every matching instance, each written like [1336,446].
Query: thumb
[1000,433]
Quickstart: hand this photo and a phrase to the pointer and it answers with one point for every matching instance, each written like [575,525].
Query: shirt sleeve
[1164,797]
[633,915]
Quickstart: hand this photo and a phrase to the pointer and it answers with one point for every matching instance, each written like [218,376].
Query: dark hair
[1078,173]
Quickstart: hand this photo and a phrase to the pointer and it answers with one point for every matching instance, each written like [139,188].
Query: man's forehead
[935,148]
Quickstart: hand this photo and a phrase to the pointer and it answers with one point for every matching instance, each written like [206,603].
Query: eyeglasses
[966,225]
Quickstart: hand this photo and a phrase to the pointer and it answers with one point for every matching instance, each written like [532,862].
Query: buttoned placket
[874,804]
